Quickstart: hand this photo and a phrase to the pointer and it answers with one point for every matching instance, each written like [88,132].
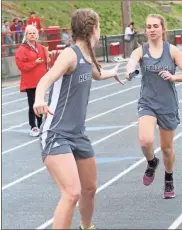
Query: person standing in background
[7,38]
[128,39]
[34,20]
[20,30]
[13,29]
[31,59]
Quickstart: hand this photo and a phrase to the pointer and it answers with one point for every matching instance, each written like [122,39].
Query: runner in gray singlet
[65,131]
[158,102]
[158,98]
[66,150]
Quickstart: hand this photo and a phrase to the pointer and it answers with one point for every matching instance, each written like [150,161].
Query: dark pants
[32,116]
[128,48]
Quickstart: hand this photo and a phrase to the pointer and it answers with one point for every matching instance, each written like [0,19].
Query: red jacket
[34,21]
[23,27]
[13,27]
[31,72]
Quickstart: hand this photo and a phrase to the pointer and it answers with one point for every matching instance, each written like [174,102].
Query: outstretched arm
[106,74]
[133,61]
[65,63]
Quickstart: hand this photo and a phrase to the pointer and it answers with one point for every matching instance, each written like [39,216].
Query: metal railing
[138,39]
[54,41]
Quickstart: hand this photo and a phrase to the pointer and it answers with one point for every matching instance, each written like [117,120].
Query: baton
[132,75]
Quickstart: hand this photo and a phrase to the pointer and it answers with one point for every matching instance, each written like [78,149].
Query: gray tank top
[155,93]
[68,99]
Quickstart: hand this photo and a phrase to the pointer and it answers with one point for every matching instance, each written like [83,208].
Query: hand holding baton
[132,75]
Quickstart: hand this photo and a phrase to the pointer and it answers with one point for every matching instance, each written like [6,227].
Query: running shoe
[82,228]
[169,190]
[150,174]
[34,132]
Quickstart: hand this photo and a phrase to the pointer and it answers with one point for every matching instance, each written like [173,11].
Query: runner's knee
[167,150]
[146,142]
[72,194]
[89,189]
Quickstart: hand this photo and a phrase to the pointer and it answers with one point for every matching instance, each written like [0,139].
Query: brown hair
[162,21]
[82,23]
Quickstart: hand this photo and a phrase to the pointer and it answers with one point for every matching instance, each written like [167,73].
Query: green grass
[145,10]
[59,13]
[177,9]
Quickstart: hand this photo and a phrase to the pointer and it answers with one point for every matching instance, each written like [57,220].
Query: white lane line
[114,179]
[10,87]
[113,94]
[13,112]
[12,93]
[111,110]
[20,146]
[103,86]
[17,100]
[23,178]
[100,98]
[41,169]
[89,119]
[176,223]
[112,65]
[12,127]
[89,129]
[15,126]
[93,89]
[24,98]
[17,92]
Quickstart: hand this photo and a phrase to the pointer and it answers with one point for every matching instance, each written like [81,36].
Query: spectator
[13,29]
[20,30]
[31,59]
[13,26]
[34,20]
[7,37]
[24,24]
[128,39]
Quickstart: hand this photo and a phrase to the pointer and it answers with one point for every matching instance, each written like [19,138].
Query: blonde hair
[162,22]
[27,29]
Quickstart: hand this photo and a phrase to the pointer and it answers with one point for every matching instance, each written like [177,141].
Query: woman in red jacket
[31,59]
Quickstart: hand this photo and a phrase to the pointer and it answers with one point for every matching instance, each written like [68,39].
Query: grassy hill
[59,12]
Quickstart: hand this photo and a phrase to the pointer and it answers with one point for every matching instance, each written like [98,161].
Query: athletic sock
[168,176]
[153,162]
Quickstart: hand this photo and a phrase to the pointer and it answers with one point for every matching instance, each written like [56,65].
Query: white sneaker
[34,132]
